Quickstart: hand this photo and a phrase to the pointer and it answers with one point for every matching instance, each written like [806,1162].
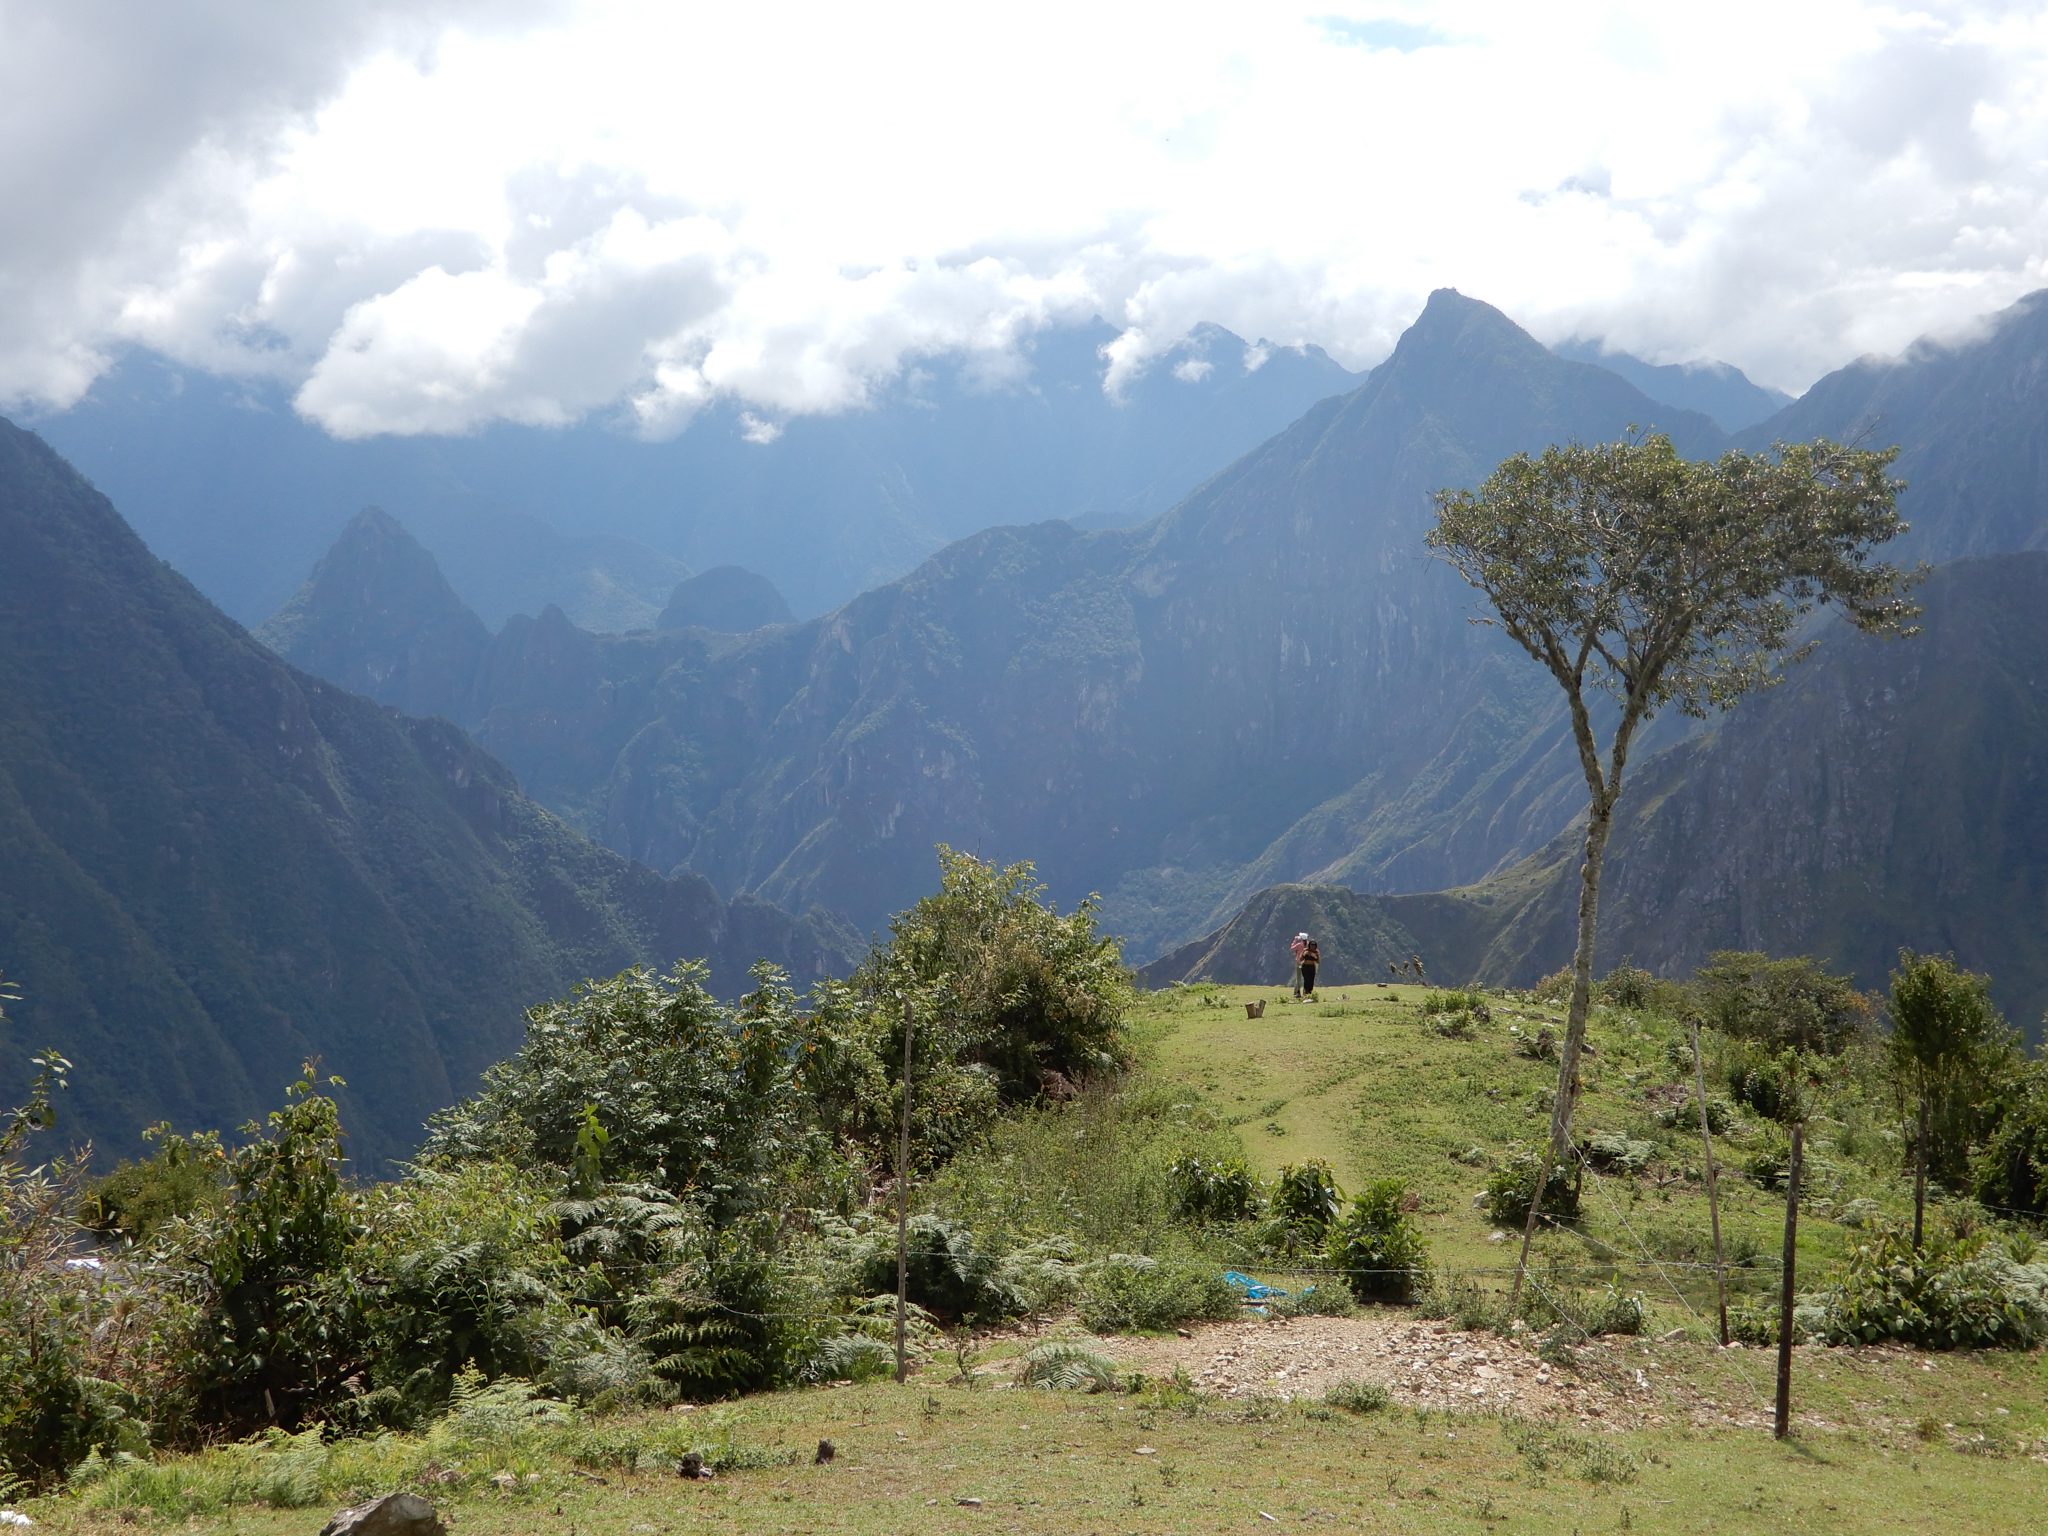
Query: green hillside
[1401,1419]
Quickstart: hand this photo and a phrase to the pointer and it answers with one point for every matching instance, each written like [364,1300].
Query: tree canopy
[1641,577]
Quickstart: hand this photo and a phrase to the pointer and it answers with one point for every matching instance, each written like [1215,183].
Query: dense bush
[278,1332]
[1130,1293]
[1306,1200]
[461,1267]
[185,1177]
[1945,1295]
[2010,1170]
[1214,1189]
[950,1272]
[1782,1004]
[1378,1246]
[1512,1186]
[688,1095]
[1007,983]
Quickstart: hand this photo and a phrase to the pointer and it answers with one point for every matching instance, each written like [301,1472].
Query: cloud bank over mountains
[425,218]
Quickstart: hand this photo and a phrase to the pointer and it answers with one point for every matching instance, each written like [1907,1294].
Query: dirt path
[1421,1363]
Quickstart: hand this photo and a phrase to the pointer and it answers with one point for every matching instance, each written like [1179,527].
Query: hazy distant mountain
[1719,390]
[727,598]
[217,866]
[1972,416]
[1272,677]
[224,481]
[377,617]
[1892,793]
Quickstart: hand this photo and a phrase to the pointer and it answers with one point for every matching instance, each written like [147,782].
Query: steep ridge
[1272,674]
[218,866]
[1889,794]
[377,617]
[1971,417]
[1715,389]
[230,485]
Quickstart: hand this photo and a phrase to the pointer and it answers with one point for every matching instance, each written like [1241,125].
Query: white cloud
[431,218]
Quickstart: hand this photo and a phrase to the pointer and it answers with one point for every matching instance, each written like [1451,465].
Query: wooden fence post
[1781,1424]
[903,1207]
[1699,1075]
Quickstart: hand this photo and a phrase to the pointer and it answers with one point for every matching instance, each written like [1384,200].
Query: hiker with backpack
[1297,949]
[1311,959]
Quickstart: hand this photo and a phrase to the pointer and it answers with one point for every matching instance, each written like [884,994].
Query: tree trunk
[1920,1172]
[1599,823]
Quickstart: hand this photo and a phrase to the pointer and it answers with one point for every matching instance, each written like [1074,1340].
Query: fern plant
[1067,1367]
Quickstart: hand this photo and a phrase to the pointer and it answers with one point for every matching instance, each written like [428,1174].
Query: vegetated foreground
[1605,1407]
[938,1456]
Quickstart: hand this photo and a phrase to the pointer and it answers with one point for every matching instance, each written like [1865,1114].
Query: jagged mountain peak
[379,618]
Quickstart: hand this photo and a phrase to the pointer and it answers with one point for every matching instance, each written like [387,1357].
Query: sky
[429,216]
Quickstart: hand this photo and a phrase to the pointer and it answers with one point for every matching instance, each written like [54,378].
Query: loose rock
[395,1514]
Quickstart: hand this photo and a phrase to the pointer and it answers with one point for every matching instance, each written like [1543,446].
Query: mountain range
[224,480]
[1270,676]
[218,866]
[1262,709]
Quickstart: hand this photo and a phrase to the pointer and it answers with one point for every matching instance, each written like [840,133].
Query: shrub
[1326,1298]
[950,1272]
[1066,1367]
[1130,1293]
[2011,1168]
[1962,1295]
[1685,1115]
[1541,1046]
[1464,1000]
[280,1317]
[1378,1245]
[184,1178]
[1627,986]
[1213,1189]
[1617,1152]
[1782,1004]
[1512,1186]
[1305,1201]
[1355,1396]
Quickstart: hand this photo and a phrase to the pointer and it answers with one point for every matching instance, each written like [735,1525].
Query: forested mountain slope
[217,866]
[1971,417]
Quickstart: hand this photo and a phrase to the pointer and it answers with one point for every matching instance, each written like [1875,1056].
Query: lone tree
[1948,1041]
[1638,576]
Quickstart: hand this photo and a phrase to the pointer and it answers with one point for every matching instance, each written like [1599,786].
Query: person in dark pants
[1311,957]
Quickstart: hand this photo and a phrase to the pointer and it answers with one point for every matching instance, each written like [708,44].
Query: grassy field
[1360,1079]
[1165,1461]
[1888,1439]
